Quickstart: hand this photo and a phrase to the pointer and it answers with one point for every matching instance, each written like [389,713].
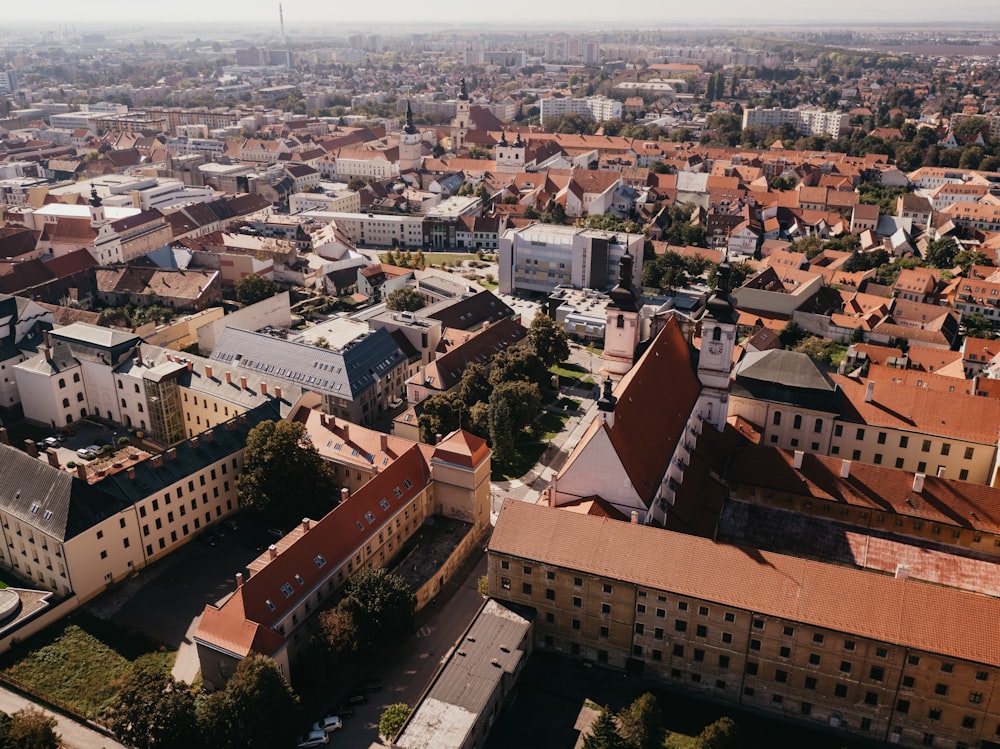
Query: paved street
[74,735]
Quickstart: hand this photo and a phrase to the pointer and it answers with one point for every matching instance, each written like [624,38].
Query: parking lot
[77,441]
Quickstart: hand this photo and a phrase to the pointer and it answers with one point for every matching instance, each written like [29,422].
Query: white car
[329,724]
[316,737]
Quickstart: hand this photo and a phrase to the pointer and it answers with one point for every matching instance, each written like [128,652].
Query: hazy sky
[303,14]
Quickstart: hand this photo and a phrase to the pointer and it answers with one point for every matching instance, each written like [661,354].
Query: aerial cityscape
[500,377]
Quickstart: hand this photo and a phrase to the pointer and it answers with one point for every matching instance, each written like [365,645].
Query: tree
[153,711]
[382,605]
[29,728]
[253,288]
[940,253]
[280,465]
[722,734]
[548,340]
[501,431]
[978,325]
[339,636]
[604,733]
[474,386]
[443,414]
[392,720]
[404,299]
[641,723]
[257,709]
[517,363]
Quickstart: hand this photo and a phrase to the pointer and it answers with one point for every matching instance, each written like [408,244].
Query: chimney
[31,448]
[277,392]
[940,473]
[169,357]
[797,460]
[131,473]
[272,552]
[635,517]
[209,436]
[190,366]
[263,389]
[243,382]
[305,525]
[231,425]
[902,572]
[870,391]
[208,371]
[53,457]
[194,442]
[437,438]
[81,471]
[229,378]
[346,429]
[344,494]
[242,419]
[239,580]
[384,442]
[845,469]
[172,453]
[324,420]
[156,461]
[918,482]
[4,437]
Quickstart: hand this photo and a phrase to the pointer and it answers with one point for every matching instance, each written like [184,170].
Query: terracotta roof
[955,415]
[908,613]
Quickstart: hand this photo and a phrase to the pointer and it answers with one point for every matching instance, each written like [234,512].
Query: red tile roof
[908,613]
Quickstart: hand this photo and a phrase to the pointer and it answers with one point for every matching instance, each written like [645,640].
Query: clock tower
[410,151]
[715,360]
[460,123]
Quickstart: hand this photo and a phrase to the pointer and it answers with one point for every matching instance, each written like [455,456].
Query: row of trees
[499,402]
[640,726]
[256,710]
[29,728]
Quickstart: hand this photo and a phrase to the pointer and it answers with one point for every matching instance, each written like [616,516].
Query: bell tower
[410,151]
[460,125]
[715,360]
[622,321]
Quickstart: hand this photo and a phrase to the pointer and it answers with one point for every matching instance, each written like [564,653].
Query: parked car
[83,452]
[93,448]
[358,698]
[313,738]
[329,724]
[367,687]
[346,709]
[51,441]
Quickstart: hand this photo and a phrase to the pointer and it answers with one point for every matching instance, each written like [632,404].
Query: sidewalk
[74,735]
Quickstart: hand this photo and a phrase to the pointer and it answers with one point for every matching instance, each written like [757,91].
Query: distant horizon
[301,17]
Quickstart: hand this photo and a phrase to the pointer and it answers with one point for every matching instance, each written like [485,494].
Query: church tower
[715,360]
[622,321]
[510,157]
[460,125]
[410,151]
[97,217]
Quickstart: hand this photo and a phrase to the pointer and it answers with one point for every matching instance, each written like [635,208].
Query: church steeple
[97,217]
[464,95]
[409,128]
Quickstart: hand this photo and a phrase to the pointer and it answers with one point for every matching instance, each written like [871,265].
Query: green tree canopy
[253,288]
[153,711]
[548,340]
[474,385]
[517,363]
[940,253]
[382,606]
[641,723]
[443,414]
[604,733]
[392,720]
[256,710]
[404,299]
[523,400]
[29,728]
[978,325]
[722,734]
[280,467]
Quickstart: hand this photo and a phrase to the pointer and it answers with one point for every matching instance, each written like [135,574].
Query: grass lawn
[572,375]
[548,425]
[436,258]
[78,663]
[680,741]
[528,453]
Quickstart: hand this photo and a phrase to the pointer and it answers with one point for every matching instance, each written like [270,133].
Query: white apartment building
[806,121]
[542,256]
[374,229]
[341,201]
[598,108]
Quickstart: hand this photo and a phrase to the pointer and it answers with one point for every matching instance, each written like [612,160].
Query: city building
[806,121]
[595,108]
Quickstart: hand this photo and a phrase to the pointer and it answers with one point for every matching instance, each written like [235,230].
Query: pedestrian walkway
[74,735]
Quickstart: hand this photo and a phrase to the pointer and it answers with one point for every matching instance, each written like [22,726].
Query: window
[877,673]
[658,633]
[928,739]
[607,588]
[780,676]
[104,555]
[913,660]
[640,628]
[504,564]
[849,645]
[578,582]
[810,682]
[640,608]
[946,448]
[576,624]
[860,435]
[908,682]
[903,706]
[730,616]
[941,689]
[969,452]
[881,438]
[701,631]
[818,426]
[881,652]
[785,652]
[751,668]
[855,455]
[527,570]
[981,676]
[699,655]
[550,575]
[934,713]
[840,690]
[605,608]
[703,611]
[727,637]
[776,420]
[818,638]
[604,632]
[845,667]
[814,659]
[976,698]
[550,618]
[947,667]
[838,430]
[577,602]
[925,447]
[678,651]
[805,708]
[787,631]
[904,441]
[871,698]
[526,588]
[797,422]
[680,625]
[758,624]
[755,645]
[505,583]
[723,661]
[550,594]
[899,462]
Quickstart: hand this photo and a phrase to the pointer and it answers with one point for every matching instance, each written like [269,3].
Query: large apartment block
[806,121]
[878,657]
[597,108]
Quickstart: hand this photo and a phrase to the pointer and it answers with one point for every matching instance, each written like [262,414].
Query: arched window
[65,402]
[79,397]
[123,403]
[777,418]
[797,422]
[621,321]
[62,382]
[120,385]
[717,334]
[140,407]
[76,377]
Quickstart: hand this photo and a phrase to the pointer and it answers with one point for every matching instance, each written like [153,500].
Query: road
[74,735]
